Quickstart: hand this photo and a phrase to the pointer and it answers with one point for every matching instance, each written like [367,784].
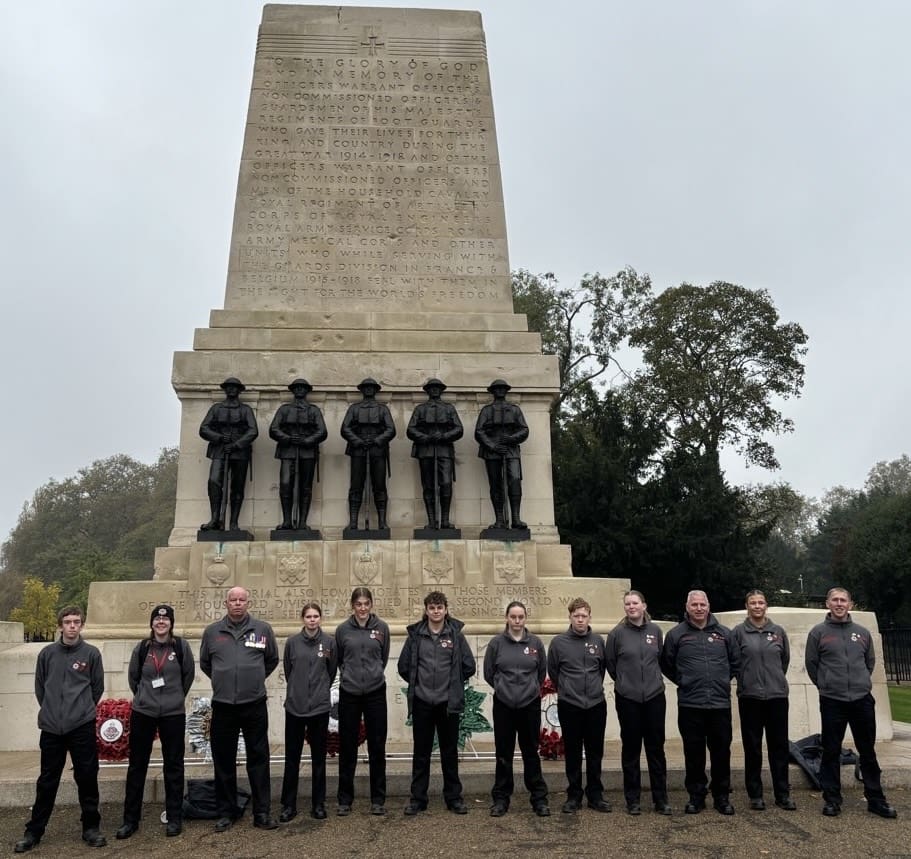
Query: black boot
[515,503]
[354,508]
[287,502]
[303,511]
[499,518]
[214,523]
[445,504]
[381,515]
[236,504]
[431,508]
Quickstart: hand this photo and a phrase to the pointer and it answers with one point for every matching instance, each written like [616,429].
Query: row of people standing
[238,652]
[298,428]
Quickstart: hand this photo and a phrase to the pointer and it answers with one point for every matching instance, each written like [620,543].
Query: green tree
[38,610]
[716,362]
[583,327]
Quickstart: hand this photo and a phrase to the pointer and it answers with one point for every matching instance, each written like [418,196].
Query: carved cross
[373,44]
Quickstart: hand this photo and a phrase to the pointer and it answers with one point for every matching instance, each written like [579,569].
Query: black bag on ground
[807,754]
[199,803]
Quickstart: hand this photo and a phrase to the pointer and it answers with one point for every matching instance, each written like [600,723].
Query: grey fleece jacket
[238,658]
[69,682]
[161,662]
[763,654]
[310,665]
[633,660]
[575,664]
[515,669]
[701,662]
[363,652]
[840,659]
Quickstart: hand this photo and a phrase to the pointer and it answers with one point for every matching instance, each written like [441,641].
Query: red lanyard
[158,665]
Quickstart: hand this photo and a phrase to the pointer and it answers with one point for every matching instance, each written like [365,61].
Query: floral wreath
[112,729]
[550,743]
[199,729]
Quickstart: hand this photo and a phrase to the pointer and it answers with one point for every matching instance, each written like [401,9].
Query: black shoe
[264,821]
[694,806]
[377,809]
[786,803]
[26,843]
[542,810]
[723,805]
[173,829]
[318,812]
[664,808]
[287,814]
[831,809]
[343,809]
[126,831]
[633,808]
[599,805]
[457,806]
[413,808]
[571,806]
[757,803]
[883,809]
[94,838]
[498,809]
[223,824]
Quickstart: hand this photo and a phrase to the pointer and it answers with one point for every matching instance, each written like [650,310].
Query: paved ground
[773,833]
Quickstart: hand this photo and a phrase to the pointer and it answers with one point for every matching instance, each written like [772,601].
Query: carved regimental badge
[218,571]
[508,568]
[365,569]
[293,569]
[437,568]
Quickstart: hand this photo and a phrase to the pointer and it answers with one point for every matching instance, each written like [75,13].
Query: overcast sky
[762,143]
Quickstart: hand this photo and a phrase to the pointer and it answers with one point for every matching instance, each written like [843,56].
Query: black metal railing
[897,654]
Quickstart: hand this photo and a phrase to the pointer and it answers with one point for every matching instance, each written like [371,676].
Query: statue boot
[287,502]
[214,523]
[499,518]
[431,508]
[236,503]
[381,515]
[303,511]
[515,503]
[445,504]
[354,508]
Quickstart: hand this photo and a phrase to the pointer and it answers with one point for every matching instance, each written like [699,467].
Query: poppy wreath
[550,744]
[112,729]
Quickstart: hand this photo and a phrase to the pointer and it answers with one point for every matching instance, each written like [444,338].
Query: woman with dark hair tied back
[762,699]
[160,674]
[309,662]
[515,665]
[632,655]
[362,642]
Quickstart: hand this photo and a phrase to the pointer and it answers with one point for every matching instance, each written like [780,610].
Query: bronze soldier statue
[433,427]
[500,429]
[230,428]
[368,428]
[298,427]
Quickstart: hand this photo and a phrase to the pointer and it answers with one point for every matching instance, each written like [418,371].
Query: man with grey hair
[238,653]
[839,661]
[698,657]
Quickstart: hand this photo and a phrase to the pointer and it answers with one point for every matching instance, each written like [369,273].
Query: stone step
[368,320]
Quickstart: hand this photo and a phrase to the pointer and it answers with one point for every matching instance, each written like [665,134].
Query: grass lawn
[900,699]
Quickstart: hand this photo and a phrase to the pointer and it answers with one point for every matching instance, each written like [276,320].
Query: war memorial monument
[369,245]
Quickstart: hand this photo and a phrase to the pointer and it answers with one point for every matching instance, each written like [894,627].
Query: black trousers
[642,723]
[142,733]
[80,744]
[377,476]
[771,716]
[861,716]
[316,728]
[372,707]
[583,728]
[700,729]
[524,723]
[228,722]
[427,719]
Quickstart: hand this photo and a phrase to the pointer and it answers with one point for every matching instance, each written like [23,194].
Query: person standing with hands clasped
[840,660]
[160,674]
[436,662]
[310,662]
[575,664]
[69,683]
[515,665]
[633,657]
[763,654]
[363,651]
